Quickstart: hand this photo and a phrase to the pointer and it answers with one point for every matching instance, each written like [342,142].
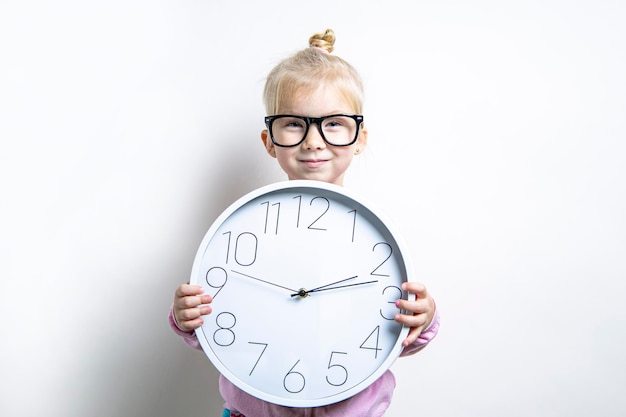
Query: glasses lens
[288,130]
[337,130]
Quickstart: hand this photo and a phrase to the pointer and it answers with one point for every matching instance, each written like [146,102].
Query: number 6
[293,374]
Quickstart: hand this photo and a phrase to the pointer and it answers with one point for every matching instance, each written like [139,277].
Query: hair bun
[325,41]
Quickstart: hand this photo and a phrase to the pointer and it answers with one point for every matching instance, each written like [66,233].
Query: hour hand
[262,280]
[302,292]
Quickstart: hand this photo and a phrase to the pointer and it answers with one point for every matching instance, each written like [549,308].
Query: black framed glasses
[287,130]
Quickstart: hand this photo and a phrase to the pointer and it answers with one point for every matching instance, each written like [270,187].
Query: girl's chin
[318,177]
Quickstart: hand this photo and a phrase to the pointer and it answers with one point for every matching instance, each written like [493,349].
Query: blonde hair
[308,69]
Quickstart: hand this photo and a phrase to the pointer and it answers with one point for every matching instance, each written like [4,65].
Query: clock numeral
[339,372]
[372,341]
[320,205]
[249,243]
[228,235]
[388,252]
[294,382]
[267,215]
[391,299]
[224,335]
[324,211]
[259,358]
[299,198]
[246,247]
[353,224]
[216,277]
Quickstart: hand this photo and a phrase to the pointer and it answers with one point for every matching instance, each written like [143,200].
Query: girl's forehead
[322,99]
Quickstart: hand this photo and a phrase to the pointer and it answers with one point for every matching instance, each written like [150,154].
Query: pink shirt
[371,402]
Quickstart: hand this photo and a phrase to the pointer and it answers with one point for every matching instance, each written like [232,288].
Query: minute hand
[302,292]
[261,280]
[328,287]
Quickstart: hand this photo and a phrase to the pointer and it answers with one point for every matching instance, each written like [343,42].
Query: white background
[497,134]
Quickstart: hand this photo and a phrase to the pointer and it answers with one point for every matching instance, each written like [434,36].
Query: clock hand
[342,286]
[303,292]
[333,283]
[258,279]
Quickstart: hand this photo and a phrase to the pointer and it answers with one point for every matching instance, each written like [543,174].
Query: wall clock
[304,277]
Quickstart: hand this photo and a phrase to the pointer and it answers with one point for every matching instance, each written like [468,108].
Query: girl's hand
[420,311]
[189,305]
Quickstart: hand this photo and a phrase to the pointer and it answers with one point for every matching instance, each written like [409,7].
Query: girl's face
[314,159]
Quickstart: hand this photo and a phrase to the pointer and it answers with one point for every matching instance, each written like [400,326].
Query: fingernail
[397,303]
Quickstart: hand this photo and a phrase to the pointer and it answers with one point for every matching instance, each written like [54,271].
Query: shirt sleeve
[424,338]
[189,337]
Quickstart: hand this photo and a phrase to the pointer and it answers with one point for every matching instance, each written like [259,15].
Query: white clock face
[304,280]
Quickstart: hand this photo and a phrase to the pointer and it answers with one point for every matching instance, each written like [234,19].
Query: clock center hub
[303,293]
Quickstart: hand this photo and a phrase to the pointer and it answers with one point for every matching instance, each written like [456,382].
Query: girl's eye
[292,124]
[334,123]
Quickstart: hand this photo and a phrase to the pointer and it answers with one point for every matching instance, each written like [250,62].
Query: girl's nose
[313,138]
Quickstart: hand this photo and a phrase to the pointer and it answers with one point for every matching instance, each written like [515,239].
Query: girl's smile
[314,163]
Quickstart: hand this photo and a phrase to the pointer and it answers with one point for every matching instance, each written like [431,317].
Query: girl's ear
[267,142]
[361,142]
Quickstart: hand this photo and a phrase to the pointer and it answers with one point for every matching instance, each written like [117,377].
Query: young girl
[313,84]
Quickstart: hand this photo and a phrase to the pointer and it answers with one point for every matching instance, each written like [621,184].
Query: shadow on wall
[166,379]
[250,167]
[153,372]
